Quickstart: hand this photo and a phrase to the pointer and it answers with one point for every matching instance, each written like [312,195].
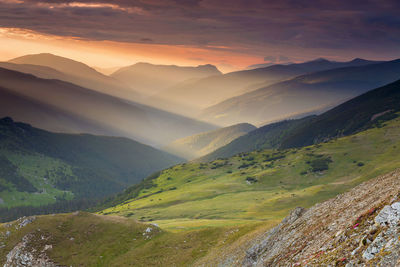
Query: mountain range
[71,108]
[212,90]
[49,66]
[354,115]
[222,209]
[305,94]
[149,79]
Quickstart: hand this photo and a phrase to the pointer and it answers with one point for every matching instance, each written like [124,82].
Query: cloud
[283,58]
[276,59]
[147,40]
[236,25]
[270,59]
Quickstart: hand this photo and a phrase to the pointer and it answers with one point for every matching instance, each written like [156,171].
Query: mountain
[354,115]
[149,79]
[219,213]
[209,91]
[311,92]
[49,66]
[357,228]
[73,109]
[201,144]
[38,167]
[264,65]
[266,137]
[260,185]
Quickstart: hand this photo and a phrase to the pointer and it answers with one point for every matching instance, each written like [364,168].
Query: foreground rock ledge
[357,228]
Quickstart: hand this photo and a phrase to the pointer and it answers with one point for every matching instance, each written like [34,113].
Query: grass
[93,240]
[35,167]
[196,195]
[210,213]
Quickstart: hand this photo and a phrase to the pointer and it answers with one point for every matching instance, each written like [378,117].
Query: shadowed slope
[115,115]
[311,92]
[200,144]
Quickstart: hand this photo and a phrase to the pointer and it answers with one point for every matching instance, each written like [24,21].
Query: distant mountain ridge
[74,109]
[317,90]
[49,66]
[354,115]
[266,137]
[149,78]
[200,144]
[209,91]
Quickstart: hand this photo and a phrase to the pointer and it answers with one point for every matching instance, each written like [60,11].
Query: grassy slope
[34,167]
[90,240]
[206,213]
[66,166]
[195,194]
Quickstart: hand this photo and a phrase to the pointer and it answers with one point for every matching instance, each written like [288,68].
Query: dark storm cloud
[240,25]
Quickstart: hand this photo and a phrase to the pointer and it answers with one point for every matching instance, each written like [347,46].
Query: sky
[231,34]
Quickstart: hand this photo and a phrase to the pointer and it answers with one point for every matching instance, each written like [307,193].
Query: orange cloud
[16,42]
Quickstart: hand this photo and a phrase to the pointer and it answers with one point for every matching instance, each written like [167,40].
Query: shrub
[320,164]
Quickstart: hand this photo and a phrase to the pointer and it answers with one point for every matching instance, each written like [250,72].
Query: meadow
[260,186]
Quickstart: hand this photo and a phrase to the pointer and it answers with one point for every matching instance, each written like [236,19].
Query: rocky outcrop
[357,228]
[274,236]
[30,252]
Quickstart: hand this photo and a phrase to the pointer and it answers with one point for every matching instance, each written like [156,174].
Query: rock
[389,215]
[24,254]
[47,247]
[25,221]
[254,254]
[8,233]
[375,247]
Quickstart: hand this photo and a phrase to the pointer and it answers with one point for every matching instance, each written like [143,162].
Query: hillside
[74,109]
[83,239]
[40,167]
[352,116]
[313,92]
[49,66]
[201,144]
[149,79]
[261,185]
[349,117]
[266,137]
[218,214]
[209,91]
[357,228]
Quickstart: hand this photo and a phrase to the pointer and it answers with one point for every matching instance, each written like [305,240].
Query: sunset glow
[229,34]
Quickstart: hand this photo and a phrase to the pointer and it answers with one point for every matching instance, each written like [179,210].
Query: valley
[260,185]
[199,133]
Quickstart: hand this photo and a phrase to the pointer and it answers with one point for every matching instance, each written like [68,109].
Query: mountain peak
[7,120]
[320,59]
[208,66]
[357,59]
